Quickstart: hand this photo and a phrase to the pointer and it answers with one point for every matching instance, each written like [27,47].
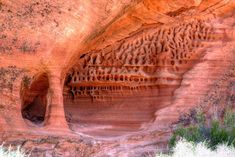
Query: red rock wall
[110,77]
[125,83]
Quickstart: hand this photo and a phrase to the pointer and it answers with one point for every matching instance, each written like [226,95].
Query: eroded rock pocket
[35,100]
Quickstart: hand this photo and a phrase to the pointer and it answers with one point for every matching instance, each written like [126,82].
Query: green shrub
[218,135]
[229,119]
[215,133]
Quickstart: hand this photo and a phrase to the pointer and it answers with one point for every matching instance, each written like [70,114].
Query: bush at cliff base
[185,148]
[214,132]
[204,138]
[9,152]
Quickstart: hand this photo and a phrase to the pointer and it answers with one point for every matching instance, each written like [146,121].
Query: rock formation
[110,78]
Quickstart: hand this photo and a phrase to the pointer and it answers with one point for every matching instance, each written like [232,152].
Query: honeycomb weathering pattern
[140,63]
[121,86]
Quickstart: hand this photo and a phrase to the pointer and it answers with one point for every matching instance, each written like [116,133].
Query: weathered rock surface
[111,78]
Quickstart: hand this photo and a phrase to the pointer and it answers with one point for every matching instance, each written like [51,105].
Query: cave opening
[35,100]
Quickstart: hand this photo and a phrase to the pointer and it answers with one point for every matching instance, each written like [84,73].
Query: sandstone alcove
[105,106]
[110,111]
[35,100]
[117,90]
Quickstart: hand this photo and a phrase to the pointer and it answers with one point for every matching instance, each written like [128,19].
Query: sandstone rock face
[111,78]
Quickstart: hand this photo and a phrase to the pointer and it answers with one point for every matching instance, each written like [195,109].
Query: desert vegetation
[203,137]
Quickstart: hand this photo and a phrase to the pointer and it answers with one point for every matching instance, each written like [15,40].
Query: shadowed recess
[35,100]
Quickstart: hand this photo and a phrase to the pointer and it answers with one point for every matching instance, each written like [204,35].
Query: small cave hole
[35,100]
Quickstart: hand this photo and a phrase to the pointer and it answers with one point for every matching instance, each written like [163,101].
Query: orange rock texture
[110,77]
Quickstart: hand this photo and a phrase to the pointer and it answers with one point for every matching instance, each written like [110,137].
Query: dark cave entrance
[35,100]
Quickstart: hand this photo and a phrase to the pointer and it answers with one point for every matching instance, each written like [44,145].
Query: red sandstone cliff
[110,78]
